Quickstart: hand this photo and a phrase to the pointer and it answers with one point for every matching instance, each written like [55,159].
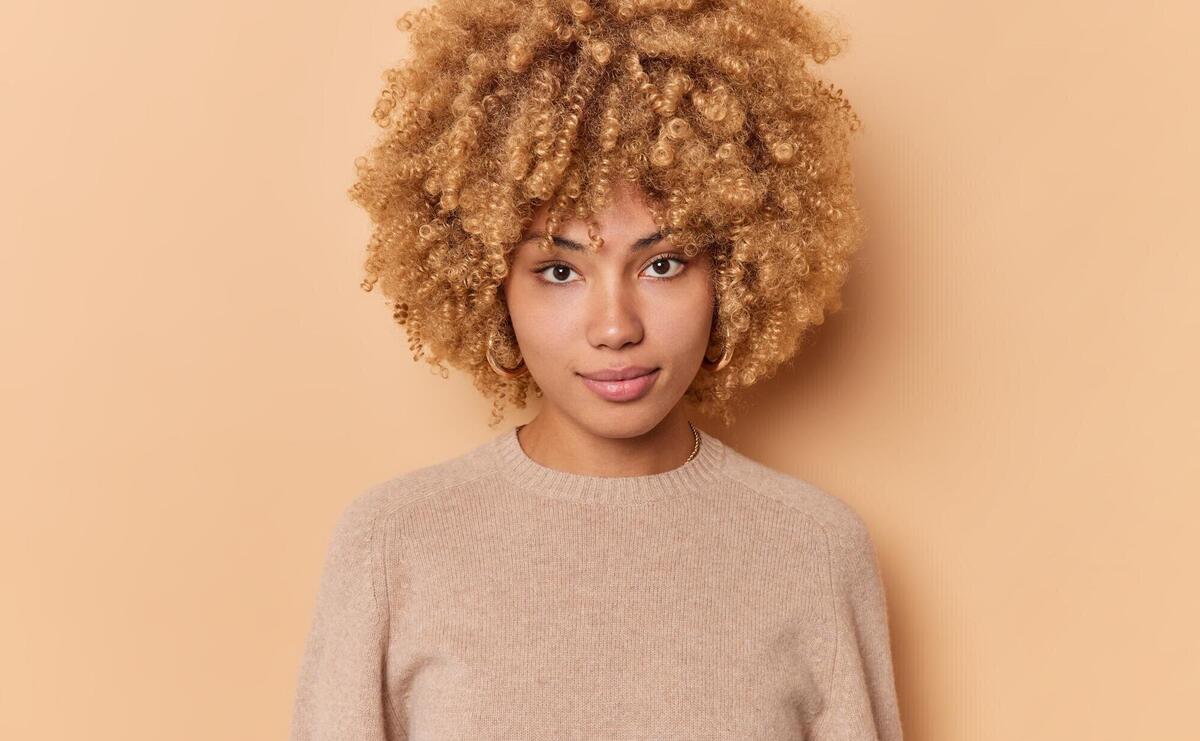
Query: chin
[626,420]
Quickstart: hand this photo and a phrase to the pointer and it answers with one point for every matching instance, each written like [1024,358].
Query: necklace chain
[696,447]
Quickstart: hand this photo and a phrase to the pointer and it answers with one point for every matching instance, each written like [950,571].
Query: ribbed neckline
[525,473]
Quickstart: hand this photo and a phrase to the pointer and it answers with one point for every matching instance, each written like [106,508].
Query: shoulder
[840,521]
[847,540]
[382,499]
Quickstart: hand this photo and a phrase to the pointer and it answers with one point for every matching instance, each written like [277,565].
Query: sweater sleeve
[861,703]
[340,693]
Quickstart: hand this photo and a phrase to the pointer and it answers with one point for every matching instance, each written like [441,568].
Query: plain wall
[194,384]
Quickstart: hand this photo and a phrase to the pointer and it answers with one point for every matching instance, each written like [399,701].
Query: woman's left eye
[665,264]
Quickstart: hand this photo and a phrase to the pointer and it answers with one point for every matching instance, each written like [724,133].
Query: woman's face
[635,304]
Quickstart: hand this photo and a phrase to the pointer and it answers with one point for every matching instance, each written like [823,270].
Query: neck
[556,442]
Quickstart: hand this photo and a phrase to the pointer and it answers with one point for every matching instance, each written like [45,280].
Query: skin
[620,306]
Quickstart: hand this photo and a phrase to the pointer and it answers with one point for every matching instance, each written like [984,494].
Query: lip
[622,389]
[619,374]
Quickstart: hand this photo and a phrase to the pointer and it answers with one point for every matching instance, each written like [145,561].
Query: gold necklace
[696,447]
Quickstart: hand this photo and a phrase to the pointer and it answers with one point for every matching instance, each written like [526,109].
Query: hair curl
[708,105]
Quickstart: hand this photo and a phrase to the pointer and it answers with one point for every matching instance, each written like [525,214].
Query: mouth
[634,384]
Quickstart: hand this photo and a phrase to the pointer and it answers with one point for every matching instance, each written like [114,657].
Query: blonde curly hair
[707,105]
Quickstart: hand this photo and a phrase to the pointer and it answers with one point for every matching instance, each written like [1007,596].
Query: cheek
[682,320]
[542,326]
[679,316]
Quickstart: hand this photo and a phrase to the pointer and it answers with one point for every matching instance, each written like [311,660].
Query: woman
[621,207]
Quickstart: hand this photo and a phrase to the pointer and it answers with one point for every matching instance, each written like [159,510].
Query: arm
[340,692]
[861,702]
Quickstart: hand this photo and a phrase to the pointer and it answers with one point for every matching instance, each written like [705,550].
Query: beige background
[194,384]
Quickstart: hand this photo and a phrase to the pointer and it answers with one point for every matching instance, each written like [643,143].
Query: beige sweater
[490,597]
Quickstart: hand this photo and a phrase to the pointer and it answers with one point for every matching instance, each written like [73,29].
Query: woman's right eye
[557,270]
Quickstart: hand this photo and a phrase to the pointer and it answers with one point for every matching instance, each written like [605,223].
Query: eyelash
[665,256]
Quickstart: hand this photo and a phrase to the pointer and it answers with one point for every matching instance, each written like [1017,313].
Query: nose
[614,316]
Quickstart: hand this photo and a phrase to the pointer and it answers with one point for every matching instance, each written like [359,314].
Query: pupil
[663,264]
[560,271]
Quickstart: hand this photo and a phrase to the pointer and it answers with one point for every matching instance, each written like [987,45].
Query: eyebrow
[569,244]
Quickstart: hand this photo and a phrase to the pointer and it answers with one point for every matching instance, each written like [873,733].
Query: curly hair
[708,105]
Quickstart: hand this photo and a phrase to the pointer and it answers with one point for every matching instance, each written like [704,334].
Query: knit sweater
[491,597]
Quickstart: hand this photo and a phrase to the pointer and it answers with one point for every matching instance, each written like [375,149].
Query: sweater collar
[525,473]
